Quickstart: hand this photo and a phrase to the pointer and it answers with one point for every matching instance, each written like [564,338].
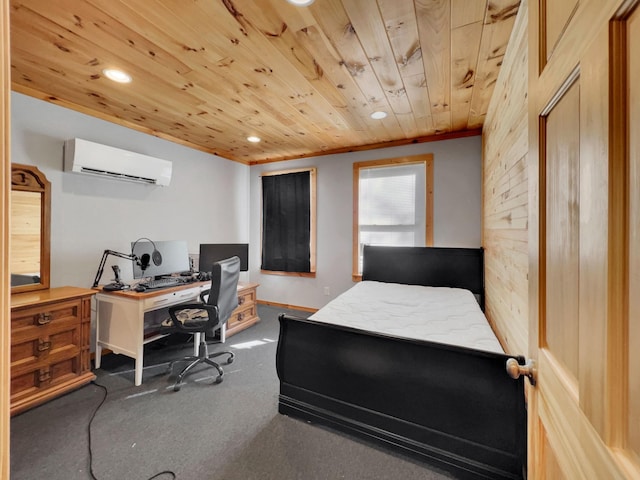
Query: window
[392,204]
[289,222]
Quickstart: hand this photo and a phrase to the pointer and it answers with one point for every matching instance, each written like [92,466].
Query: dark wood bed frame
[453,407]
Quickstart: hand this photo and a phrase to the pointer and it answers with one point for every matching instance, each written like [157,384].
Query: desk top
[155,292]
[152,292]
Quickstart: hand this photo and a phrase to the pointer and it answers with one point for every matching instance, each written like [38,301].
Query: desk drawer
[246,297]
[241,316]
[173,298]
[246,314]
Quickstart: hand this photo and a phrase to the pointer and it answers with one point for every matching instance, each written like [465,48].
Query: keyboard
[163,282]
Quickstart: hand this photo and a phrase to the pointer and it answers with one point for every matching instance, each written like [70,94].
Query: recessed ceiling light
[379,115]
[117,75]
[301,3]
[253,139]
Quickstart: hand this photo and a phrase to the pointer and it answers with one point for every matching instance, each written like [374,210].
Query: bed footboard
[450,406]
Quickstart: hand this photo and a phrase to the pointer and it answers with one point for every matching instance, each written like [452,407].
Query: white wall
[213,200]
[206,202]
[457,212]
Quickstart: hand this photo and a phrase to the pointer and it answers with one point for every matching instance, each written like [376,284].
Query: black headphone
[156,256]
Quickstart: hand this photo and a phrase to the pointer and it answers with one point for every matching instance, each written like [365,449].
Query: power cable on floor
[104,398]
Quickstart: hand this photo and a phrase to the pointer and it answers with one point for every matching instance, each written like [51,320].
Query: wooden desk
[127,320]
[50,344]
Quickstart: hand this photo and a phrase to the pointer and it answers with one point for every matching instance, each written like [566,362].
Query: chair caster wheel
[176,387]
[219,379]
[230,360]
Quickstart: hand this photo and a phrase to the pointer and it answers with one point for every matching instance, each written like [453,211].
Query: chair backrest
[224,287]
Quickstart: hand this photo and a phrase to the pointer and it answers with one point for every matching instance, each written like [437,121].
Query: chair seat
[191,317]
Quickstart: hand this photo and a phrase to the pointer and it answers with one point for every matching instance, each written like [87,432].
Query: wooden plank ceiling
[209,73]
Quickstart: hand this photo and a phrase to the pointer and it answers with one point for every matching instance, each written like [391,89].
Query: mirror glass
[30,216]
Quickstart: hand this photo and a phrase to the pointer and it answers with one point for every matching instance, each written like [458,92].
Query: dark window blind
[286,222]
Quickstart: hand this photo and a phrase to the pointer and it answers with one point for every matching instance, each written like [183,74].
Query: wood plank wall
[506,195]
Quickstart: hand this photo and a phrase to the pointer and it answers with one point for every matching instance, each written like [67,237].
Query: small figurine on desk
[117,283]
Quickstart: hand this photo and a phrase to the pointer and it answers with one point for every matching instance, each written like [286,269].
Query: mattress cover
[437,314]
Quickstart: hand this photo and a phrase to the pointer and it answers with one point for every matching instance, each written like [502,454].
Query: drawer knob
[44,346]
[44,318]
[241,300]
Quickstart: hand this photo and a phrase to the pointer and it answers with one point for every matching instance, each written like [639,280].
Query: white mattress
[438,314]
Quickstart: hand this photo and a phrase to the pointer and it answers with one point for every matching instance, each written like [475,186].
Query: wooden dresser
[50,344]
[247,312]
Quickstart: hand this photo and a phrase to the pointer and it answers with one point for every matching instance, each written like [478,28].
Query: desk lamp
[117,284]
[142,261]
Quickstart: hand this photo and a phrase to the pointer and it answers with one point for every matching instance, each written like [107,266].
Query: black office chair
[207,316]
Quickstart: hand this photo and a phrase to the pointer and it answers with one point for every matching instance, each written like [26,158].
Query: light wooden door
[5,189]
[584,411]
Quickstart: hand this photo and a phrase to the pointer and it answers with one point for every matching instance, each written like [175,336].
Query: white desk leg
[139,365]
[98,355]
[98,351]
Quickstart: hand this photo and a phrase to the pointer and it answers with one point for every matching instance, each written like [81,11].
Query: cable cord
[93,415]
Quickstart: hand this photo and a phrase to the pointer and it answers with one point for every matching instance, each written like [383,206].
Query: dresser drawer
[32,320]
[55,340]
[37,379]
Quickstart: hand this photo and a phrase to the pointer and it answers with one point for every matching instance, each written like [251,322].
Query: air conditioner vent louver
[117,176]
[82,156]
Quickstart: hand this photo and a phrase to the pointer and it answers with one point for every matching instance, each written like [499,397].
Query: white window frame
[427,160]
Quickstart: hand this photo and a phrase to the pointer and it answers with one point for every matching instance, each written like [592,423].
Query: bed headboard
[429,266]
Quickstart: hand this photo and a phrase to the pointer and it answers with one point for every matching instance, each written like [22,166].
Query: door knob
[515,370]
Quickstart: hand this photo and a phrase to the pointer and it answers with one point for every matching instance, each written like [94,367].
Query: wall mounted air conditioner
[82,156]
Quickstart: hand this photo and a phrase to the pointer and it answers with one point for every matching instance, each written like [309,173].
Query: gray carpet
[230,431]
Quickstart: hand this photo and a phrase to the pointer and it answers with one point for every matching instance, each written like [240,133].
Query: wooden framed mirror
[30,248]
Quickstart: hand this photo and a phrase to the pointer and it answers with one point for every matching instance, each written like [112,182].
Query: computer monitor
[160,258]
[212,252]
